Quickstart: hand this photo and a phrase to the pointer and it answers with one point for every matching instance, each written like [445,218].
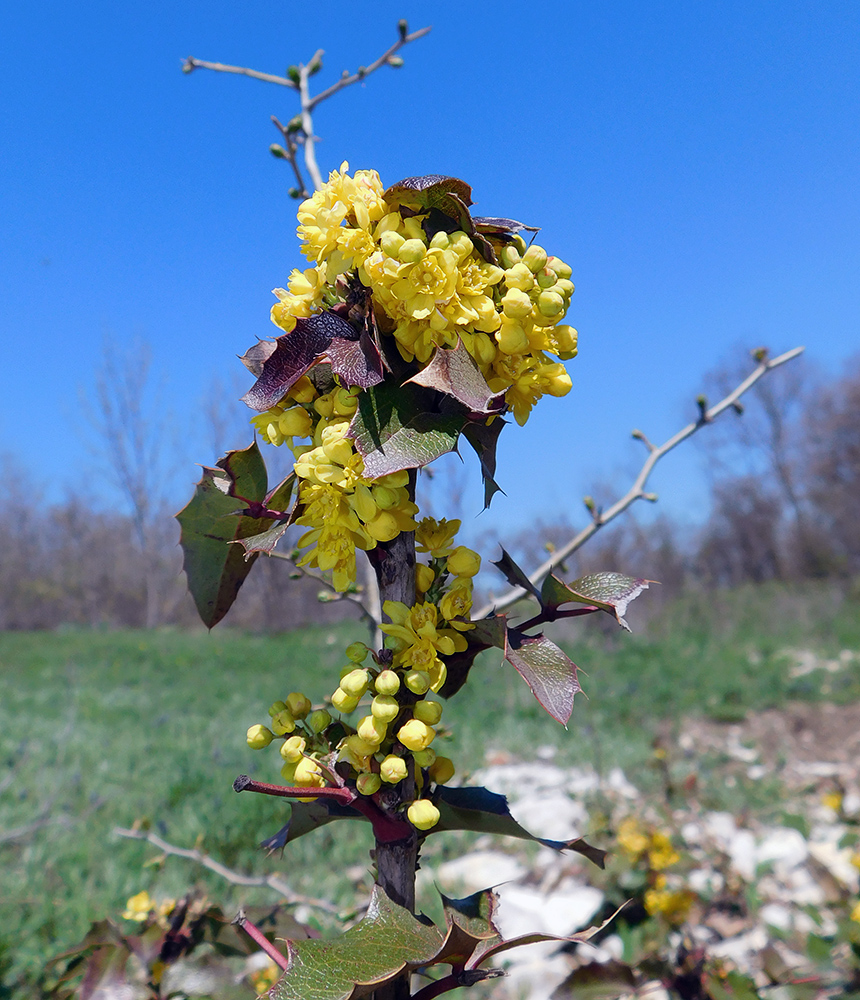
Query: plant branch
[190,64]
[637,490]
[234,877]
[298,80]
[349,78]
[259,938]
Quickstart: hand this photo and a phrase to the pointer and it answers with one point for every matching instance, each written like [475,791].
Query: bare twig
[637,490]
[234,877]
[308,102]
[367,614]
[191,64]
[347,79]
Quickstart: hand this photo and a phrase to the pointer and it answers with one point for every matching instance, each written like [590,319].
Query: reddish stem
[260,938]
[245,784]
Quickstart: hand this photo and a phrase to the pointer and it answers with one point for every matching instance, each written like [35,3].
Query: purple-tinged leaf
[515,576]
[469,923]
[453,371]
[387,942]
[257,355]
[216,569]
[547,670]
[325,335]
[484,438]
[356,362]
[479,810]
[278,499]
[414,189]
[502,229]
[610,592]
[399,427]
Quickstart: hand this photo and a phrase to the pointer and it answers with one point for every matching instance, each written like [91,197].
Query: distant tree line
[785,506]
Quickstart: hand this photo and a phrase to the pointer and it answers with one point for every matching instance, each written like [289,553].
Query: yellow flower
[464,562]
[855,914]
[661,853]
[672,905]
[435,536]
[393,769]
[416,735]
[457,603]
[259,737]
[138,907]
[631,838]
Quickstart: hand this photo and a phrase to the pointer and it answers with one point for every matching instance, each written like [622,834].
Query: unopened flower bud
[519,278]
[259,737]
[298,705]
[357,652]
[427,711]
[275,149]
[535,258]
[418,681]
[354,683]
[293,748]
[295,422]
[319,721]
[393,769]
[422,814]
[411,251]
[464,562]
[275,707]
[508,256]
[385,708]
[424,577]
[512,338]
[391,242]
[395,61]
[424,758]
[516,304]
[387,682]
[558,265]
[442,770]
[308,773]
[372,730]
[288,772]
[283,723]
[368,783]
[546,278]
[550,303]
[415,735]
[344,702]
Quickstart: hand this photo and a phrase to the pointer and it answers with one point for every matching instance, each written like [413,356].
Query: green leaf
[610,592]
[399,427]
[469,924]
[216,569]
[501,229]
[305,817]
[477,809]
[387,942]
[599,980]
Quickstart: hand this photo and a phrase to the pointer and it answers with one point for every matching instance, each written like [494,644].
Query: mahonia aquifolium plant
[412,278]
[417,327]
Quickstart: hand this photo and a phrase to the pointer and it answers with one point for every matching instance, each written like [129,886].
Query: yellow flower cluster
[342,508]
[141,906]
[304,745]
[672,904]
[388,745]
[654,846]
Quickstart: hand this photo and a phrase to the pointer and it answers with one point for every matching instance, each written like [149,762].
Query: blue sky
[696,164]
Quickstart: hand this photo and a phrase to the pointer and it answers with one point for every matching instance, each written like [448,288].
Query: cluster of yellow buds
[666,895]
[304,743]
[342,508]
[391,743]
[141,907]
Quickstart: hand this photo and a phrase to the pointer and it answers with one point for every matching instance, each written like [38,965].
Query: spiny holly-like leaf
[387,942]
[599,980]
[453,371]
[547,670]
[515,576]
[486,950]
[278,499]
[305,817]
[477,809]
[503,229]
[484,438]
[326,335]
[469,923]
[257,355]
[610,592]
[426,191]
[216,569]
[399,427]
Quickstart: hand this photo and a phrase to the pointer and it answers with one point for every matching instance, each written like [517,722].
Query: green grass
[99,729]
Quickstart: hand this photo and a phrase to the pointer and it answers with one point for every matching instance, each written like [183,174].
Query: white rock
[783,845]
[742,851]
[837,860]
[757,771]
[550,815]
[704,881]
[776,915]
[525,910]
[479,870]
[742,948]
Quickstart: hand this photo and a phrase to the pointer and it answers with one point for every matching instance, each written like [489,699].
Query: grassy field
[100,729]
